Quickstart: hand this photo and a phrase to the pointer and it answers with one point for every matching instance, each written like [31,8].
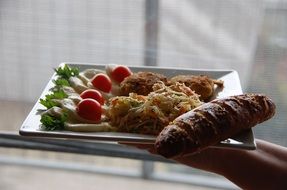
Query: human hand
[204,160]
[247,169]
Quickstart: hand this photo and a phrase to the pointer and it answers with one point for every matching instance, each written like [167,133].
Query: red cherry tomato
[119,73]
[94,94]
[102,82]
[90,109]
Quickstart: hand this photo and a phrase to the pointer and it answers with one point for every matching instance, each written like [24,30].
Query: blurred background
[36,36]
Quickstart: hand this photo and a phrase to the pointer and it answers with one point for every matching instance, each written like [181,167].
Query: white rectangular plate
[31,126]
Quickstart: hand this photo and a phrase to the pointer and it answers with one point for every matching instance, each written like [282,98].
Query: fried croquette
[141,83]
[201,84]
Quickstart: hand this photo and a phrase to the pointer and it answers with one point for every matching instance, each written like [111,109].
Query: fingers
[149,147]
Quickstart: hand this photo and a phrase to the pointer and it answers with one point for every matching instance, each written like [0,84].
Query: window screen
[247,36]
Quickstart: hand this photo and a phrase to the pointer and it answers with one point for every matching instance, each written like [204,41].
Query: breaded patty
[141,83]
[201,84]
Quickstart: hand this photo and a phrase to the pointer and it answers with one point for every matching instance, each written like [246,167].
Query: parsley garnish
[63,75]
[51,123]
[66,72]
[61,82]
[48,100]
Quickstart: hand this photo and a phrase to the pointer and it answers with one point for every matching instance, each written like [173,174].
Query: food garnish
[49,102]
[119,73]
[88,100]
[93,94]
[52,123]
[102,82]
[90,109]
[67,72]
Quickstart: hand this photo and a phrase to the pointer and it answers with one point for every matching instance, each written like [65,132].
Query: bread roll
[213,122]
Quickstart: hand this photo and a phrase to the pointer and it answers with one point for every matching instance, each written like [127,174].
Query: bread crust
[213,122]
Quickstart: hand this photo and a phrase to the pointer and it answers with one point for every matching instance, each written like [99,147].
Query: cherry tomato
[94,94]
[90,109]
[119,73]
[102,82]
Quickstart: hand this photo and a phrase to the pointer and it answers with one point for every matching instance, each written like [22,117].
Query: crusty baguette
[213,122]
